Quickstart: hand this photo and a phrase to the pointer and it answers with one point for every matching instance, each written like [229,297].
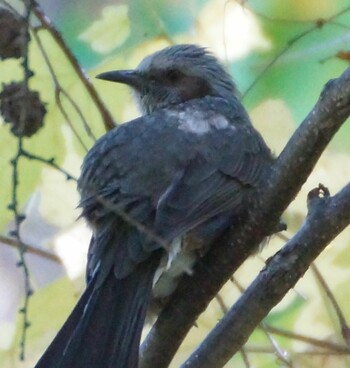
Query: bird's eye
[173,75]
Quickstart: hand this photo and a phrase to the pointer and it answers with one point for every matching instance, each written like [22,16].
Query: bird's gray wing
[199,193]
[212,184]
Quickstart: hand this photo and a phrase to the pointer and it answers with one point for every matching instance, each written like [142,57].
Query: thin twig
[51,162]
[30,249]
[291,42]
[13,206]
[47,24]
[245,358]
[332,347]
[159,23]
[280,353]
[267,350]
[341,318]
[58,90]
[18,216]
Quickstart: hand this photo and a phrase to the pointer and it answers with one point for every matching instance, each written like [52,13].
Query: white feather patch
[200,122]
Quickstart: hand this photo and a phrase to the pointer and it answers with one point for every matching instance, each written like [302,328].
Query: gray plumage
[186,167]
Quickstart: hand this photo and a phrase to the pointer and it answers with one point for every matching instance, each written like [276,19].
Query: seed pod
[12,35]
[22,108]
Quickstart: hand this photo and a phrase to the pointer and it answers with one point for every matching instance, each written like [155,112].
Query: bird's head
[174,75]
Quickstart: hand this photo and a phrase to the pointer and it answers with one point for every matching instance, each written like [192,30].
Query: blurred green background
[280,53]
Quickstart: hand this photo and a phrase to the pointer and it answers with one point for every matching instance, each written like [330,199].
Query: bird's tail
[104,329]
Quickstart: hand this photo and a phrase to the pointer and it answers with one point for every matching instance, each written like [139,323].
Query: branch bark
[299,156]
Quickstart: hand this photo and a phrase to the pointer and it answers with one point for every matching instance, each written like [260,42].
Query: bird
[175,177]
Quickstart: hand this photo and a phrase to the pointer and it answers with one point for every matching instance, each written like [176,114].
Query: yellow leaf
[110,31]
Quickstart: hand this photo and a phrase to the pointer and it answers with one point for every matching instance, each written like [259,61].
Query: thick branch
[226,255]
[327,218]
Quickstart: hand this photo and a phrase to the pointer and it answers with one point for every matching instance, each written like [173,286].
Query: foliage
[280,54]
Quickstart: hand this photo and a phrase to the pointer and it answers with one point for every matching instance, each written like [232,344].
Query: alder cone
[12,35]
[22,108]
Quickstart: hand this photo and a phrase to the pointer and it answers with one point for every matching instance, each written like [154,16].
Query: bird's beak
[130,77]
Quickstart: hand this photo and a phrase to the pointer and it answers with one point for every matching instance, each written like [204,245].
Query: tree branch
[210,273]
[326,219]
